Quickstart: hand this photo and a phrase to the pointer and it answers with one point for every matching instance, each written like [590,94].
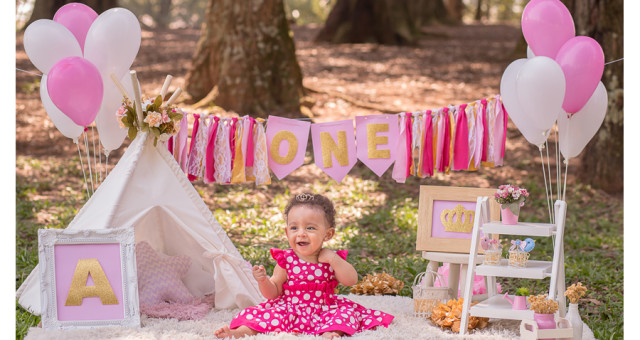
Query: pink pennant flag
[286,144]
[377,137]
[334,147]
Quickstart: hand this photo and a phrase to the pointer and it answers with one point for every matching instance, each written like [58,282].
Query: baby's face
[307,229]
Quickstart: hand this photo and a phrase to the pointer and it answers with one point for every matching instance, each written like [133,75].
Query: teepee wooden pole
[136,94]
[119,85]
[175,96]
[165,87]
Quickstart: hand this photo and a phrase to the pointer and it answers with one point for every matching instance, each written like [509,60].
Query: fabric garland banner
[240,149]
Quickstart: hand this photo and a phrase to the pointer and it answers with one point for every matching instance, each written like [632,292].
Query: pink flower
[165,118]
[154,119]
[122,110]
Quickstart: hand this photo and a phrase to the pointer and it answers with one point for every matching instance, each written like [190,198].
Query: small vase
[573,315]
[508,217]
[545,321]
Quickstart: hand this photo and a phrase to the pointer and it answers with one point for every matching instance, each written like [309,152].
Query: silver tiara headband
[304,197]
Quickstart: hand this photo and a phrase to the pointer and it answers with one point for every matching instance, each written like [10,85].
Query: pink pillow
[160,276]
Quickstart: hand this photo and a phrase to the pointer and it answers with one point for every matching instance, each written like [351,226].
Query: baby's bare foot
[226,332]
[331,335]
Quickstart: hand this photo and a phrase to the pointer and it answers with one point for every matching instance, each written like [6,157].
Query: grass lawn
[376,223]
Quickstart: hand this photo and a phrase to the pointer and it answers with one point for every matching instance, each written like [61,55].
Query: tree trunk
[389,22]
[245,59]
[46,9]
[163,19]
[602,158]
[455,8]
[478,15]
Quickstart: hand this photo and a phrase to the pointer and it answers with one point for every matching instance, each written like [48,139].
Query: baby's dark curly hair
[313,200]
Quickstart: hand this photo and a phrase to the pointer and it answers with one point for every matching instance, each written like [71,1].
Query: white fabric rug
[404,326]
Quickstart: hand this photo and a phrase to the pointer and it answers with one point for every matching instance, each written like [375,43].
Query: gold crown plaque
[462,224]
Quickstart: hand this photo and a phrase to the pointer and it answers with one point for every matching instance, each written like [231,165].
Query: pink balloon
[75,87]
[582,61]
[77,18]
[546,25]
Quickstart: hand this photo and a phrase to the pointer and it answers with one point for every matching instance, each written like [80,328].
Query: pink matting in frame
[66,259]
[438,229]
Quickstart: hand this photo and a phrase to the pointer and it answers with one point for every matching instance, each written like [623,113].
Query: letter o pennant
[286,144]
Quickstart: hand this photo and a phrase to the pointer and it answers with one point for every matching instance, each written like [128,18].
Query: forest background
[439,52]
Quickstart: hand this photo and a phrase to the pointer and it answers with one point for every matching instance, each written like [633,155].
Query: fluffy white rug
[404,326]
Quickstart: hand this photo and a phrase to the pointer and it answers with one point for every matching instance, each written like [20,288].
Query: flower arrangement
[575,292]
[541,305]
[511,197]
[162,121]
[448,316]
[522,291]
[378,284]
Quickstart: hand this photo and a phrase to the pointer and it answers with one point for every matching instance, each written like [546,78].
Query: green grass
[376,221]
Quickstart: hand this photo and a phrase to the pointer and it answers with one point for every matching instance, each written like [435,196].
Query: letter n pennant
[377,137]
[334,147]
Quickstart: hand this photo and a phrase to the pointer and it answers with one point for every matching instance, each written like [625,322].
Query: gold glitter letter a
[79,289]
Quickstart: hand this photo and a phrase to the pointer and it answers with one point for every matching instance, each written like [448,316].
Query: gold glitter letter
[373,141]
[79,289]
[329,147]
[275,147]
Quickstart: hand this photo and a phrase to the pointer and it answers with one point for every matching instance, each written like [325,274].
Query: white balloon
[109,130]
[540,87]
[46,42]
[576,132]
[113,41]
[64,124]
[511,103]
[530,53]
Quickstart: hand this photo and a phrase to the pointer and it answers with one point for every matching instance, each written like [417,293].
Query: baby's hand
[326,255]
[259,273]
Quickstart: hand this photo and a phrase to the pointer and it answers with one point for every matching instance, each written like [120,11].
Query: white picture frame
[110,246]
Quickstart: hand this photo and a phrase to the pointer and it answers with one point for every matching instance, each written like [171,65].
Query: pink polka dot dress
[308,304]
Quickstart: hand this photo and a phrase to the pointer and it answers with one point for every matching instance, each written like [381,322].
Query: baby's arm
[345,273]
[270,288]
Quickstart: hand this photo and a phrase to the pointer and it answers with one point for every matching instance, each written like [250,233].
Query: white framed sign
[88,278]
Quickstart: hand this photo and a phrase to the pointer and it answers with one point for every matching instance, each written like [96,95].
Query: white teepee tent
[148,190]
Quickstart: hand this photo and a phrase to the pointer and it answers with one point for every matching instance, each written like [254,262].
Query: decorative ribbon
[485,132]
[232,139]
[210,168]
[194,134]
[170,145]
[427,149]
[250,143]
[504,136]
[446,141]
[409,140]
[461,149]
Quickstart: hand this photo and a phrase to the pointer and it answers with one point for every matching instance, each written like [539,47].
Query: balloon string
[550,198]
[106,165]
[545,181]
[83,173]
[615,61]
[100,159]
[95,159]
[25,71]
[558,165]
[566,170]
[86,148]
